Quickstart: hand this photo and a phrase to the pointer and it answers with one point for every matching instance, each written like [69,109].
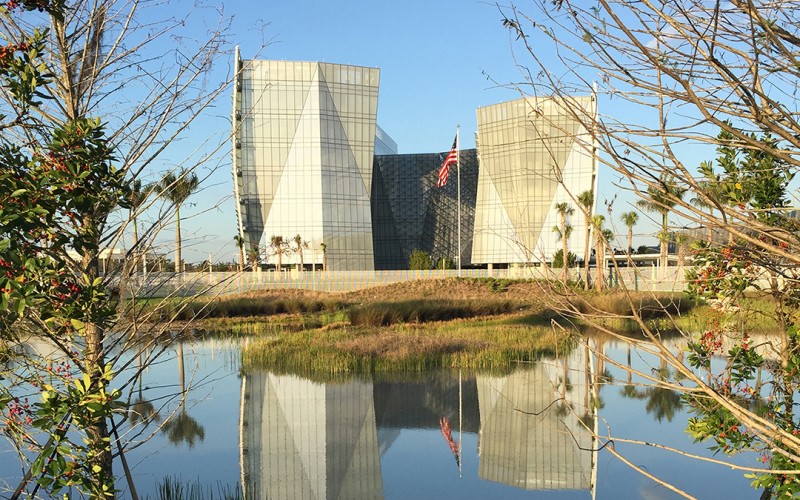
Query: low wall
[165,284]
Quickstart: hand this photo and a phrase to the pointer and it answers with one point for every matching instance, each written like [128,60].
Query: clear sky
[434,57]
[439,61]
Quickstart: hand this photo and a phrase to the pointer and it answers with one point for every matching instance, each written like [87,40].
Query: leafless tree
[700,99]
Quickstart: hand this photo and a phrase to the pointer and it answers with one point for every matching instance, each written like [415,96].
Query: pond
[523,434]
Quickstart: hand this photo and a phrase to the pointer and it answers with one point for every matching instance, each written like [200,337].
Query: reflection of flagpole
[242,473]
[459,408]
[458,170]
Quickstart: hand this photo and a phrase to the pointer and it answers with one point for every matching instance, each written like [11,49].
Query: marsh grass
[173,489]
[347,351]
[239,307]
[758,316]
[424,311]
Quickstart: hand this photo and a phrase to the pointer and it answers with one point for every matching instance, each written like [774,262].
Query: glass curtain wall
[304,143]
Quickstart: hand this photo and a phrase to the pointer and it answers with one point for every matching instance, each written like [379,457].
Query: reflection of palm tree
[663,403]
[629,391]
[183,428]
[143,411]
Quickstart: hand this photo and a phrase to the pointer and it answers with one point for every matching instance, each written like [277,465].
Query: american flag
[452,159]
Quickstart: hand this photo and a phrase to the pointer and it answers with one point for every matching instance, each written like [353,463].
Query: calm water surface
[517,435]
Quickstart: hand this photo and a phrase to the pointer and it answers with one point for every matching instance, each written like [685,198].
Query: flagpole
[458,169]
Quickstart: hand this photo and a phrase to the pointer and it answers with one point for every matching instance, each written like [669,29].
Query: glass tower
[533,153]
[303,151]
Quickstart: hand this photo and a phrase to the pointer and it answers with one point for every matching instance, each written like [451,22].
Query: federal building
[309,159]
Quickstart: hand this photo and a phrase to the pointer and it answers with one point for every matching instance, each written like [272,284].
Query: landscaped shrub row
[422,311]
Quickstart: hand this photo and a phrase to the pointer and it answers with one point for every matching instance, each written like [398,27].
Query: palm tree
[661,199]
[681,245]
[707,202]
[630,219]
[253,257]
[177,190]
[277,244]
[601,236]
[586,199]
[564,210]
[300,245]
[137,197]
[240,243]
[324,247]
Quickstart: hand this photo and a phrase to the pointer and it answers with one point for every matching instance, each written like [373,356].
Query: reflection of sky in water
[398,427]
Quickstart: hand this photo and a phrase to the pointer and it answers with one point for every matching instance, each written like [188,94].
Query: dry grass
[392,345]
[647,305]
[423,311]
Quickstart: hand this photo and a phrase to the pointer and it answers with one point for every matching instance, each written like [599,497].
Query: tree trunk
[664,245]
[564,247]
[241,258]
[600,261]
[178,266]
[630,247]
[97,429]
[181,371]
[586,258]
[135,243]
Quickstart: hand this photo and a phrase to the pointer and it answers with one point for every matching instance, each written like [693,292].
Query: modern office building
[534,154]
[310,160]
[304,141]
[409,212]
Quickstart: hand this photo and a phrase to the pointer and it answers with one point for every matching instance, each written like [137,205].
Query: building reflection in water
[301,439]
[532,435]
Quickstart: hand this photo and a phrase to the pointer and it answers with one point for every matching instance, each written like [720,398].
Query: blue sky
[432,56]
[439,61]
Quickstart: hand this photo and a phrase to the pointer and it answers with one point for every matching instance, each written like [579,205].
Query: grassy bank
[438,324]
[490,344]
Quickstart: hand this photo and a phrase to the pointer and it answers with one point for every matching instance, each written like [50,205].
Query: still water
[442,435]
